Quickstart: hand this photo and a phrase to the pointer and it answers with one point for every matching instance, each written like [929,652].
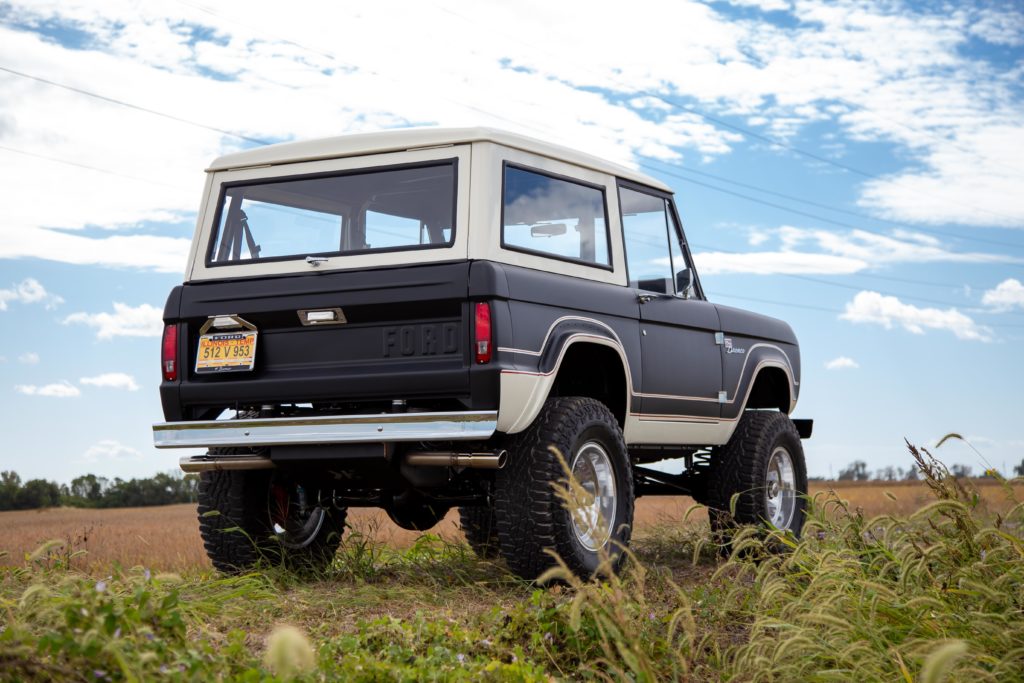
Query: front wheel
[763,467]
[538,510]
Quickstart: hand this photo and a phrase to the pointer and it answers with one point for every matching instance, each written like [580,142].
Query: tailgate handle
[322,316]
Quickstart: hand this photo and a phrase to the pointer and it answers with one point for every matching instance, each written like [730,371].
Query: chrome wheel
[780,495]
[594,499]
[296,520]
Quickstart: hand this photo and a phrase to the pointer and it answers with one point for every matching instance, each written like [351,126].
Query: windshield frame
[221,206]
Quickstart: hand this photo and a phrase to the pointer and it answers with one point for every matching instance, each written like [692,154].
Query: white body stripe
[523,393]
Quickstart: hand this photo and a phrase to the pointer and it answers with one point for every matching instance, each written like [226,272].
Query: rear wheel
[764,464]
[250,515]
[593,521]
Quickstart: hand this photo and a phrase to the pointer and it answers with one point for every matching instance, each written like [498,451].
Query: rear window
[387,209]
[555,217]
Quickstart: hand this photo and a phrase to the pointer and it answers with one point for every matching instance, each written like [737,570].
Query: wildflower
[101,586]
[461,657]
[117,632]
[147,575]
[99,673]
[548,637]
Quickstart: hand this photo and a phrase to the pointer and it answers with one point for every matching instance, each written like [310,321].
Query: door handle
[645,298]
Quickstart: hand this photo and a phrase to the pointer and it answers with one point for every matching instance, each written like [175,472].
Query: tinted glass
[555,217]
[403,208]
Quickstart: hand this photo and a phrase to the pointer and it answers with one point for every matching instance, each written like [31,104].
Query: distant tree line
[90,491]
[858,471]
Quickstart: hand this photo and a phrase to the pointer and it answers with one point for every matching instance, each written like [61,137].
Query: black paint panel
[678,340]
[406,337]
[539,300]
[736,321]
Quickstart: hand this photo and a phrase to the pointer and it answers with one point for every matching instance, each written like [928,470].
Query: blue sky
[855,168]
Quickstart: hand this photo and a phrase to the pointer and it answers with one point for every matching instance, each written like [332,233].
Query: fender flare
[524,391]
[760,356]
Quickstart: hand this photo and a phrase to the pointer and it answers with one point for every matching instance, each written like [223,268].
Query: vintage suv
[434,318]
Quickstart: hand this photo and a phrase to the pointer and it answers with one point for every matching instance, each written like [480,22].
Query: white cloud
[1007,295]
[841,362]
[153,252]
[756,237]
[112,380]
[125,321]
[560,71]
[28,291]
[902,246]
[836,253]
[110,449]
[58,390]
[872,307]
[29,358]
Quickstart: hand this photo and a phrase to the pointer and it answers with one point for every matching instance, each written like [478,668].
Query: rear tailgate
[405,337]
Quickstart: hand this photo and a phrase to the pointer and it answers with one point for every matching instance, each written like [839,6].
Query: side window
[683,273]
[645,229]
[554,217]
[653,255]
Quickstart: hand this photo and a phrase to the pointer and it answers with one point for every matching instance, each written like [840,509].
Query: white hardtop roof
[410,138]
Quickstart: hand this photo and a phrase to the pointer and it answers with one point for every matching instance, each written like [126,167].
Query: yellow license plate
[226,352]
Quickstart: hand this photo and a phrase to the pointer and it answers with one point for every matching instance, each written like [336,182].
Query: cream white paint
[409,139]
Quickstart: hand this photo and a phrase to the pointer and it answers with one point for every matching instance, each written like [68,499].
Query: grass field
[893,581]
[167,538]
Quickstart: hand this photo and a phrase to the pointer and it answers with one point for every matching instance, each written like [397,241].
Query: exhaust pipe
[493,460]
[207,463]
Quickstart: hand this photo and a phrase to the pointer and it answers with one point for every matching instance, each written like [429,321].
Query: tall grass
[931,596]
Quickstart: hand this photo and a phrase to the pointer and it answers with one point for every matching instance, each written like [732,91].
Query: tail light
[482,340]
[169,355]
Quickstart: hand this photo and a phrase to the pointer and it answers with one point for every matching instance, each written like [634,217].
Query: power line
[87,167]
[730,126]
[345,64]
[137,107]
[821,309]
[811,215]
[839,285]
[260,141]
[920,131]
[827,207]
[335,58]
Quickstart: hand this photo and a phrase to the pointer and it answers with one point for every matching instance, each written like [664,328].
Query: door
[682,363]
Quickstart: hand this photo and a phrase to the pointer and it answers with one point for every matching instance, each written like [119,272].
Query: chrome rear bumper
[280,431]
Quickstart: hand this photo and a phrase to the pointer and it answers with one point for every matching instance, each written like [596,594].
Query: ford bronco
[429,319]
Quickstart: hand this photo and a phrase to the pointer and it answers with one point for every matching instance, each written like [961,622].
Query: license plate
[226,352]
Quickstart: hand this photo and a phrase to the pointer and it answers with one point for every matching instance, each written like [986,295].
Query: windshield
[344,213]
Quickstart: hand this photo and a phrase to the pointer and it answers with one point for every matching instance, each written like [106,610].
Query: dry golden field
[167,538]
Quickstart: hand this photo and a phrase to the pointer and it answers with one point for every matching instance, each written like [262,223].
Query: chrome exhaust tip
[210,463]
[492,460]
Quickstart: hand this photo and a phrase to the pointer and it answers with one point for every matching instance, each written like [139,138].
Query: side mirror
[547,230]
[684,283]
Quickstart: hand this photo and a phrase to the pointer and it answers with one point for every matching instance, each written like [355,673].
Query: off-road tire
[237,532]
[740,467]
[530,515]
[480,527]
